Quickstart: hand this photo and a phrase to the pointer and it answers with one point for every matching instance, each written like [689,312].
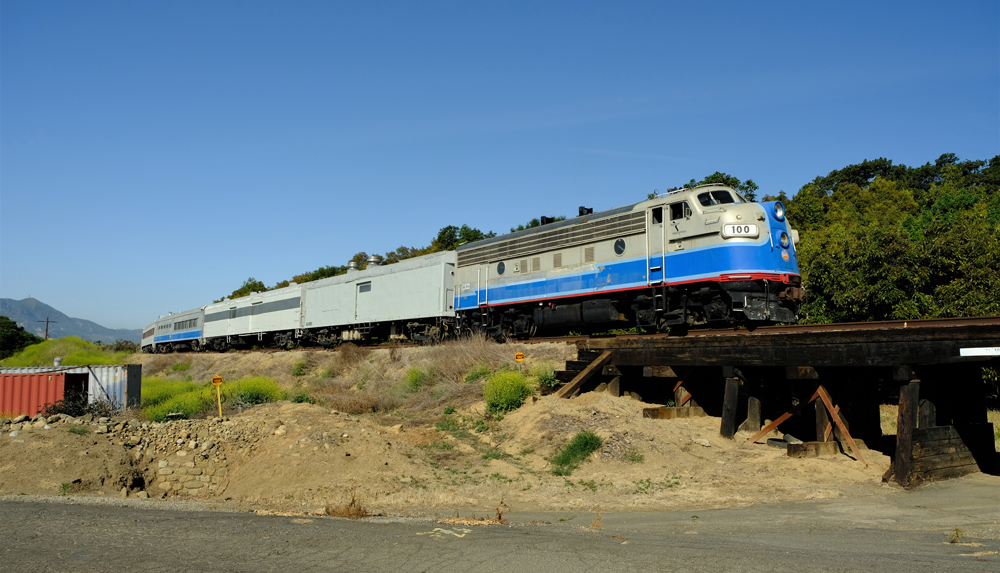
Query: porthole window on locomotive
[620,247]
[501,268]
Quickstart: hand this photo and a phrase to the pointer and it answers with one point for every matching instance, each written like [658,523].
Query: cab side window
[679,211]
[657,215]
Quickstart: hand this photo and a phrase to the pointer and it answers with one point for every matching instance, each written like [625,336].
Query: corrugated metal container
[29,393]
[119,384]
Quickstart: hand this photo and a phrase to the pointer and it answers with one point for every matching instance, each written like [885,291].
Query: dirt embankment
[304,457]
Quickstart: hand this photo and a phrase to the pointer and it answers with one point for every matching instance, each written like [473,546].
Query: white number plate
[747,230]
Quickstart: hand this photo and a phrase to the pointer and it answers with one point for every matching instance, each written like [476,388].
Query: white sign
[745,230]
[991,351]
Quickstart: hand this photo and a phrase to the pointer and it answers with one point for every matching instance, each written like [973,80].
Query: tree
[883,241]
[13,338]
[250,285]
[450,237]
[747,188]
[535,223]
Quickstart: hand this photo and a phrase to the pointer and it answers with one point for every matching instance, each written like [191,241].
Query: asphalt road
[900,531]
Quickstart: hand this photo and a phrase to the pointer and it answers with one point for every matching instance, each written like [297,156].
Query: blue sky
[153,155]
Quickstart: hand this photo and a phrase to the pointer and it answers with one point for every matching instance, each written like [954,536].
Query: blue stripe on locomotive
[694,264]
[189,335]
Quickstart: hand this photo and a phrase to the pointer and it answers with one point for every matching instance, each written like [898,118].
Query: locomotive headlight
[779,211]
[784,239]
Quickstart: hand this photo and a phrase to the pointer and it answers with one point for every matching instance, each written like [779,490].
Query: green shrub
[303,398]
[299,368]
[187,404]
[201,399]
[478,371]
[576,451]
[156,390]
[546,374]
[255,390]
[416,378]
[449,410]
[505,391]
[79,430]
[181,367]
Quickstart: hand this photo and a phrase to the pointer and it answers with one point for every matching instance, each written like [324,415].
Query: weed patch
[79,430]
[181,367]
[416,378]
[575,452]
[201,399]
[478,372]
[545,373]
[634,456]
[299,368]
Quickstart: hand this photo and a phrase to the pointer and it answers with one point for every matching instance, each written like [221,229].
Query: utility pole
[47,321]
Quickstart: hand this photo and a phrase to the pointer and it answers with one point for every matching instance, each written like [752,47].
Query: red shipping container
[29,393]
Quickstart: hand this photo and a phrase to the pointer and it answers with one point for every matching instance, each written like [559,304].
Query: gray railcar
[411,299]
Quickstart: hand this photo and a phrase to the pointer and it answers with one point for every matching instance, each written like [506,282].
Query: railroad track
[758,331]
[795,329]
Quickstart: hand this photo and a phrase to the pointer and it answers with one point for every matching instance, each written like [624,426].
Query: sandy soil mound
[413,457]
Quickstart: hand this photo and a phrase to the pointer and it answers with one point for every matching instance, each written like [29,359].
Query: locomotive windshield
[716,198]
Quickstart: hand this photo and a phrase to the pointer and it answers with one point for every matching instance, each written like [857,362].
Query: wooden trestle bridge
[820,383]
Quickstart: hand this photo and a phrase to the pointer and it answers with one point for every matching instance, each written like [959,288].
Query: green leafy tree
[884,241]
[747,188]
[13,338]
[250,285]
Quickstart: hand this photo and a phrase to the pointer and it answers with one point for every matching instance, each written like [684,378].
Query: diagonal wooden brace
[835,415]
[822,394]
[573,385]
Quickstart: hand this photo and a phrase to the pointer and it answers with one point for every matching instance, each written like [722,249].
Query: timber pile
[939,453]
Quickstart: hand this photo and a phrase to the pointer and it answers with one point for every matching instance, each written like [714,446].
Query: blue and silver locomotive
[693,257]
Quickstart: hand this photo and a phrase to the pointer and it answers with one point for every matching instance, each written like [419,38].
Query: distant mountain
[26,313]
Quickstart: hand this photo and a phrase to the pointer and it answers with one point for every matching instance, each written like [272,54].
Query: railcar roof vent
[352,267]
[585,210]
[546,220]
[374,261]
[57,361]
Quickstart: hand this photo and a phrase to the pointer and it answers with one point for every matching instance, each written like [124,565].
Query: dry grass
[993,417]
[351,510]
[497,519]
[887,414]
[418,382]
[597,522]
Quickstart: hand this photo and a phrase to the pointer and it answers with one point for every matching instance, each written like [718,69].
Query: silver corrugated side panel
[119,384]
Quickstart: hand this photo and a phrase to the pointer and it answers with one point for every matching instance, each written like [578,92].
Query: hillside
[26,313]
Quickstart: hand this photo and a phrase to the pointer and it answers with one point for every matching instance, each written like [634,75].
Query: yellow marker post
[520,358]
[217,382]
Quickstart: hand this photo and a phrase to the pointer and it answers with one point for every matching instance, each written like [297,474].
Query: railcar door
[363,304]
[255,312]
[679,228]
[654,244]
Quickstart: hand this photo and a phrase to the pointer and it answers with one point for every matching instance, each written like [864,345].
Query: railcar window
[501,268]
[715,198]
[232,313]
[657,215]
[679,210]
[186,324]
[366,287]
